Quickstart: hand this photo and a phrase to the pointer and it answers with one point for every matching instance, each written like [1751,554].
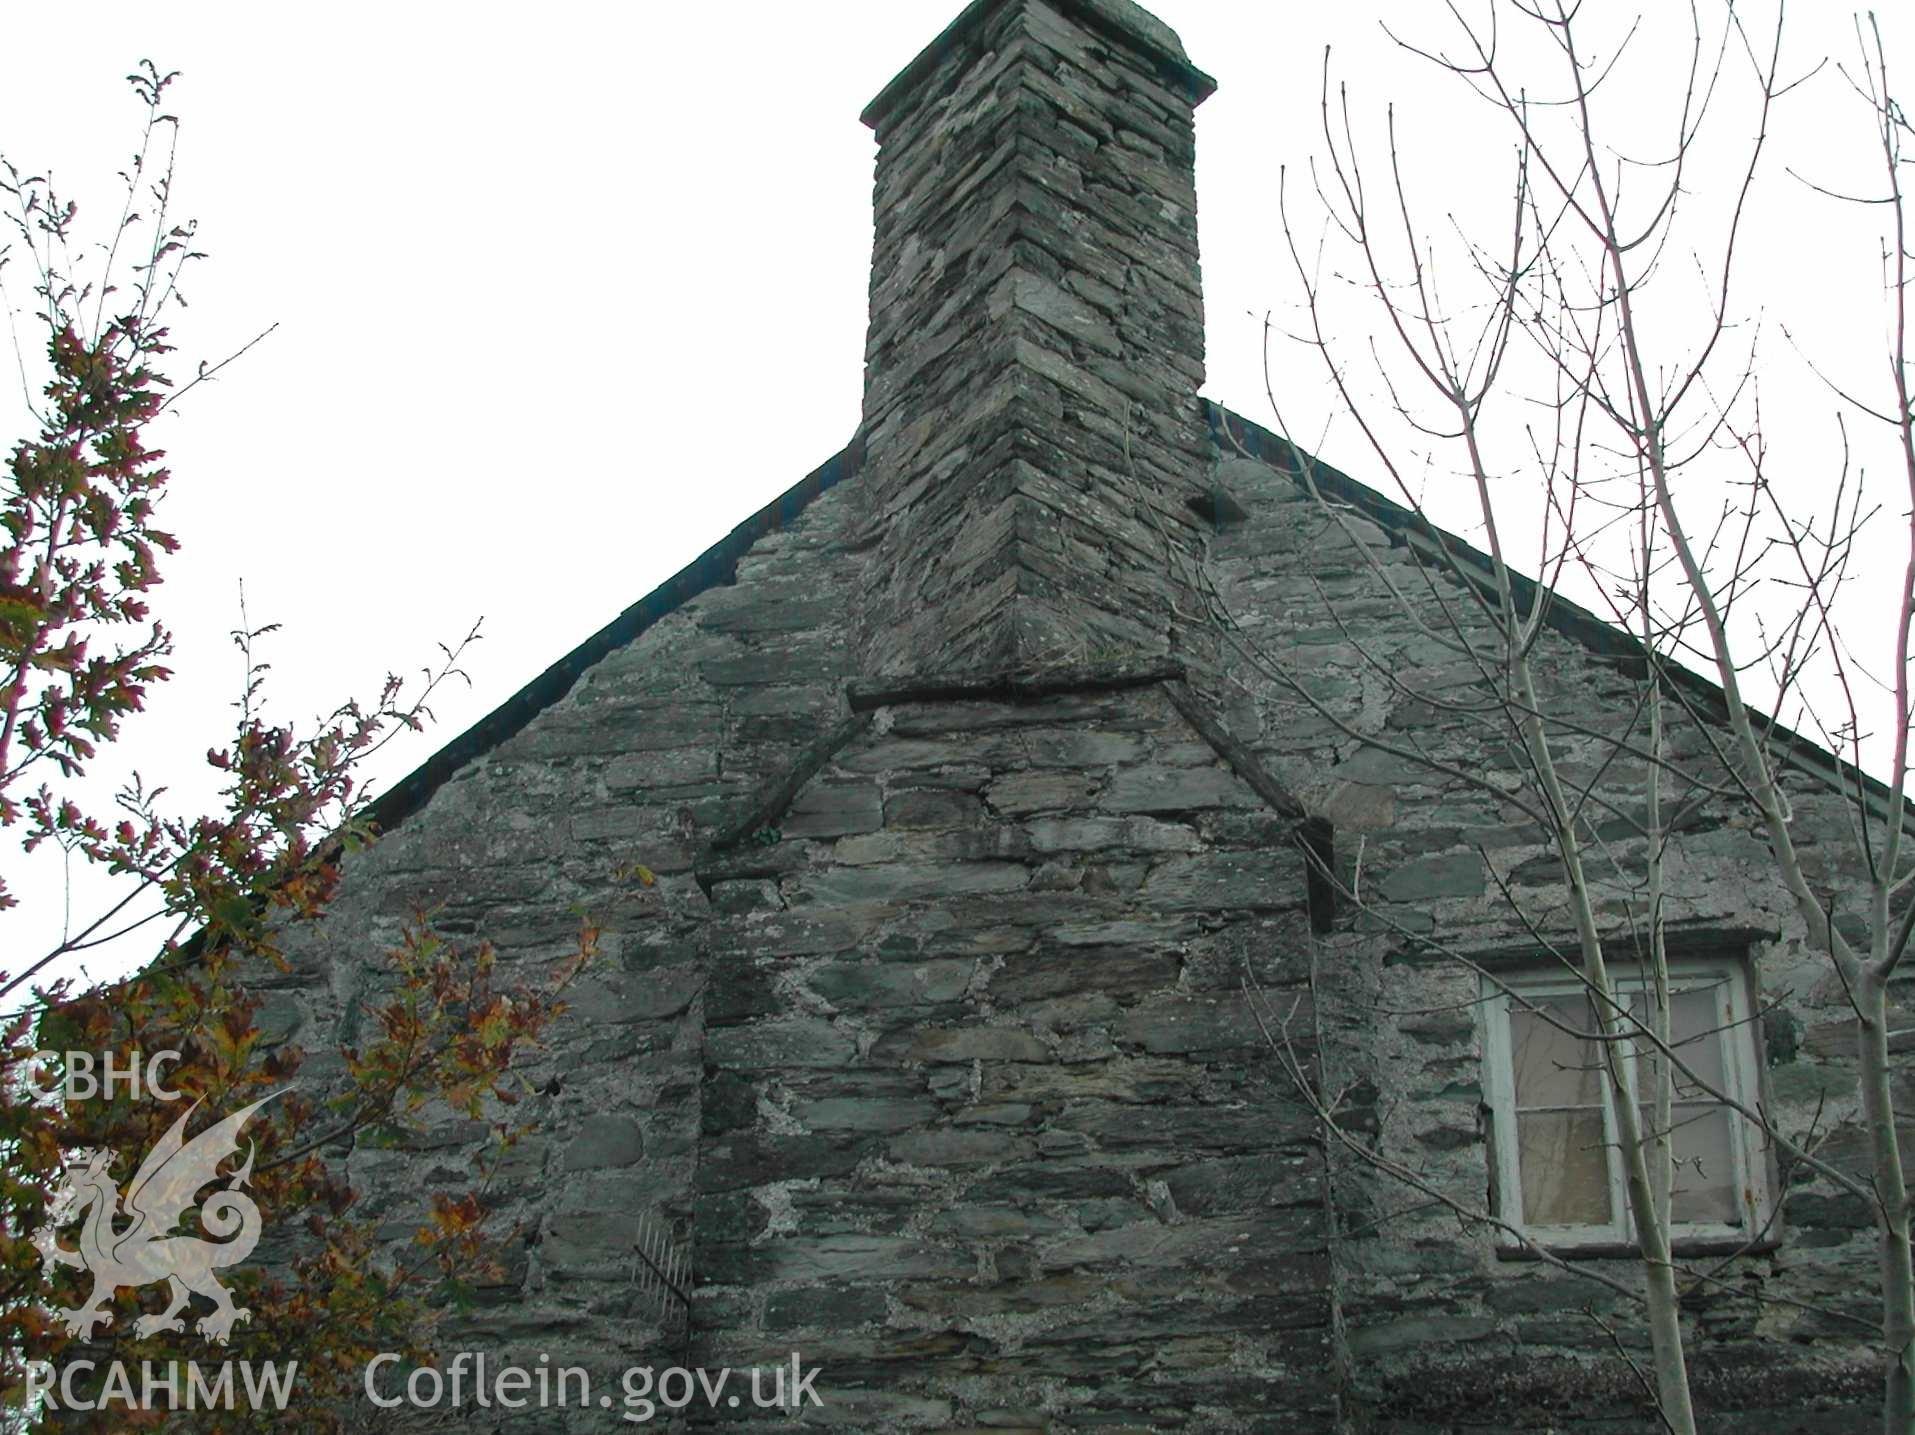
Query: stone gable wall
[946,1075]
[945,1072]
[1438,1326]
[930,1041]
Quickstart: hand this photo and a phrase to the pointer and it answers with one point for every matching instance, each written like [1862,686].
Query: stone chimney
[1033,439]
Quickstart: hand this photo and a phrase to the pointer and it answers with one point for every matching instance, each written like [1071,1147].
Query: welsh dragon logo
[146,1249]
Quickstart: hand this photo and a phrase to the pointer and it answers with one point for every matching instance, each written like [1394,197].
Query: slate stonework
[1031,420]
[971,815]
[959,1081]
[1442,1333]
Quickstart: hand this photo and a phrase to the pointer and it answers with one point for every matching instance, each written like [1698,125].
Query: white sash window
[1557,1160]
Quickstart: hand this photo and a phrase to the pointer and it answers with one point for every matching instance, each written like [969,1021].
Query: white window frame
[1742,1081]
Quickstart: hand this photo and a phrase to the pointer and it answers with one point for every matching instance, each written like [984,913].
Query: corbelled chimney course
[1032,429]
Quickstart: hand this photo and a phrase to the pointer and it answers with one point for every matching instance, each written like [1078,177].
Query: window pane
[1552,1067]
[1564,1168]
[1699,1024]
[1705,1186]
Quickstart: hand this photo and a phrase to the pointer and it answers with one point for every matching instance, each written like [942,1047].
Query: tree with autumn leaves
[81,650]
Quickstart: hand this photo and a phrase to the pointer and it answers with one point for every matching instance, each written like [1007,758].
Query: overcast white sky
[564,292]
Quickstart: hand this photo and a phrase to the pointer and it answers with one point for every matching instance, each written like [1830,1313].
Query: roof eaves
[715,567]
[1567,618]
[718,565]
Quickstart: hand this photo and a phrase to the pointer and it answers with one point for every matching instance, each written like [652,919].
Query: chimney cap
[1121,20]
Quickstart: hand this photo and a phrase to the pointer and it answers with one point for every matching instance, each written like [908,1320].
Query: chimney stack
[1032,431]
